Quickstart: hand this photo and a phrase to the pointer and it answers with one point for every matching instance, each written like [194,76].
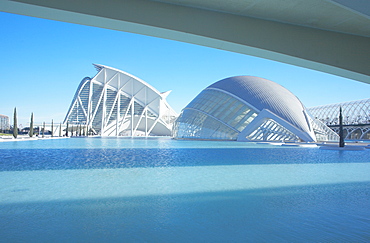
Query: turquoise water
[163,190]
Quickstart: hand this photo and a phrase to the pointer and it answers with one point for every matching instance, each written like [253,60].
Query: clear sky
[43,61]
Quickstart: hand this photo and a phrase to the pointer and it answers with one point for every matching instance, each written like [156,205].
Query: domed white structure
[247,108]
[115,103]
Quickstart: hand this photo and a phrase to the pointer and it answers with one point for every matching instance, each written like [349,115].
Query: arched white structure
[247,108]
[115,103]
[354,112]
[356,118]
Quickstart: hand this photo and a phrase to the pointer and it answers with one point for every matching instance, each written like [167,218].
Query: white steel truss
[115,103]
[356,118]
[354,112]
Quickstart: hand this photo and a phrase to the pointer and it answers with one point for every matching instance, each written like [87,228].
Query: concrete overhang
[331,36]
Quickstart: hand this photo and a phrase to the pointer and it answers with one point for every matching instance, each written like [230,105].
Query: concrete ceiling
[326,15]
[332,36]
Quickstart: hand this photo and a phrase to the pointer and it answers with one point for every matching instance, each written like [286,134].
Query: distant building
[247,108]
[115,103]
[356,118]
[4,122]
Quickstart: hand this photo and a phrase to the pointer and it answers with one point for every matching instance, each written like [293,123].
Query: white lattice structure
[247,108]
[356,117]
[354,112]
[115,103]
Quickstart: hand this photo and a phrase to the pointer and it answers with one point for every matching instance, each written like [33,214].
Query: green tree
[31,126]
[15,126]
[43,130]
[341,135]
[52,127]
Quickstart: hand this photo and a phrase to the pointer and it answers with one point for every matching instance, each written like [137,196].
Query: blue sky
[43,61]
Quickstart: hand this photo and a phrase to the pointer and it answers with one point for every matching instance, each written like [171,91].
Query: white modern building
[247,108]
[4,122]
[115,103]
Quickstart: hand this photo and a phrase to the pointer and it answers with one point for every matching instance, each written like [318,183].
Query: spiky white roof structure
[116,103]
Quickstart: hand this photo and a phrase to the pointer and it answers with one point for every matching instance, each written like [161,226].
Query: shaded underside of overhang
[329,36]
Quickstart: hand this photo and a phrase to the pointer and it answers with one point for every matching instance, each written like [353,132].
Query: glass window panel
[211,115]
[194,124]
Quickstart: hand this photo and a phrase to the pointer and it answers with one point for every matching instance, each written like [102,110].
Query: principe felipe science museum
[242,108]
[115,103]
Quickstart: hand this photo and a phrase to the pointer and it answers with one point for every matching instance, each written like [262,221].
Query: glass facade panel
[196,124]
[213,115]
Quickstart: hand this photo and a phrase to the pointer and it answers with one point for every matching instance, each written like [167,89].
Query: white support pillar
[89,104]
[132,107]
[118,105]
[104,105]
[132,115]
[77,104]
[146,122]
[146,112]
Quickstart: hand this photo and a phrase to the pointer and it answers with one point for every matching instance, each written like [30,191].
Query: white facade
[115,103]
[246,108]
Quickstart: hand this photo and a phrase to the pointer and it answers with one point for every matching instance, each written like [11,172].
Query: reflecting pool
[163,190]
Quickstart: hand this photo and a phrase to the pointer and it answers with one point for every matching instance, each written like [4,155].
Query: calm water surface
[162,190]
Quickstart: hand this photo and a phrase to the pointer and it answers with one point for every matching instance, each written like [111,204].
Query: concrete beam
[331,52]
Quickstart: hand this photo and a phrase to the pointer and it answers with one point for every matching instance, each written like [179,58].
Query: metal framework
[356,117]
[115,103]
